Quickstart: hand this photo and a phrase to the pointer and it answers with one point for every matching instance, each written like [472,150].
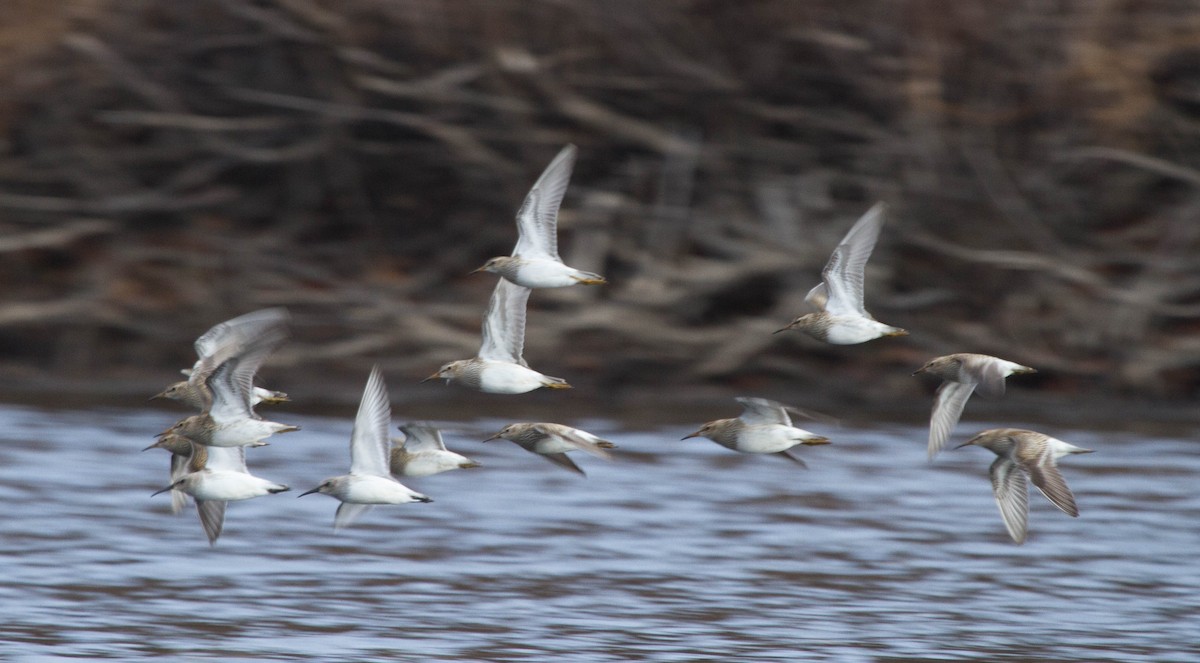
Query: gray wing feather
[421,437]
[1050,482]
[369,439]
[947,408]
[212,518]
[347,513]
[759,411]
[504,324]
[537,220]
[843,274]
[1012,496]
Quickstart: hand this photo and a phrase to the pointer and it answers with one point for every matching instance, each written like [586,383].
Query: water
[677,551]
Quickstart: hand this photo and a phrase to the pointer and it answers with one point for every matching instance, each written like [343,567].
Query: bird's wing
[226,459]
[760,411]
[504,325]
[1046,476]
[537,220]
[583,440]
[991,376]
[226,339]
[231,384]
[795,459]
[212,517]
[420,437]
[1012,496]
[563,461]
[843,274]
[818,296]
[347,513]
[947,408]
[369,439]
[179,467]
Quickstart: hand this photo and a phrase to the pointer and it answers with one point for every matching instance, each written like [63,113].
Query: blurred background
[166,166]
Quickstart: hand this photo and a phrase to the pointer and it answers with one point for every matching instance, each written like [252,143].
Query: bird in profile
[230,420]
[764,427]
[218,475]
[499,367]
[554,441]
[185,457]
[842,318]
[1020,453]
[534,262]
[963,373]
[422,453]
[224,340]
[369,482]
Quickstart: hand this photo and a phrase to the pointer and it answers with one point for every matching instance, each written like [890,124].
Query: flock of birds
[208,450]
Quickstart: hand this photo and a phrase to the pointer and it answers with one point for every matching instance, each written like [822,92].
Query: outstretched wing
[224,459]
[1012,496]
[212,518]
[231,384]
[947,408]
[537,220]
[563,461]
[422,437]
[226,339]
[582,440]
[843,274]
[760,411]
[369,439]
[347,513]
[504,325]
[1045,475]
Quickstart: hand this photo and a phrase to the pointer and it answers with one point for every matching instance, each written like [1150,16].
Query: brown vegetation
[168,165]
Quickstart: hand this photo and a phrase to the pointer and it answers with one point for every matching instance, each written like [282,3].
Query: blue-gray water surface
[676,551]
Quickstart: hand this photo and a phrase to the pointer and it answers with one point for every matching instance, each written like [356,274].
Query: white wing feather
[369,440]
[537,220]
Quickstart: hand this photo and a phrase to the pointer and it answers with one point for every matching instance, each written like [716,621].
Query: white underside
[851,330]
[243,432]
[498,377]
[770,438]
[433,462]
[226,486]
[544,273]
[377,490]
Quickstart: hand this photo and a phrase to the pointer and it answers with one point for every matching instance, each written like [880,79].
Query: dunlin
[553,441]
[224,340]
[422,453]
[499,367]
[1025,452]
[842,319]
[764,427]
[231,421]
[219,478]
[185,457]
[963,373]
[534,262]
[368,482]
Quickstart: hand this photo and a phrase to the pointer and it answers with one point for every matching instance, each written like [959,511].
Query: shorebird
[217,477]
[499,367]
[534,262]
[963,373]
[185,457]
[231,421]
[1020,453]
[368,482]
[553,441]
[422,453]
[224,340]
[764,427]
[842,319]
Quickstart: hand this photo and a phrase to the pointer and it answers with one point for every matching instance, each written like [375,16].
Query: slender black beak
[162,490]
[310,492]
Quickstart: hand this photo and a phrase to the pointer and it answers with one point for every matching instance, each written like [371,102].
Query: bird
[217,477]
[1020,453]
[368,482]
[422,453]
[553,441]
[963,373]
[499,367]
[764,427]
[185,457]
[231,421]
[534,262]
[214,346]
[841,318]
